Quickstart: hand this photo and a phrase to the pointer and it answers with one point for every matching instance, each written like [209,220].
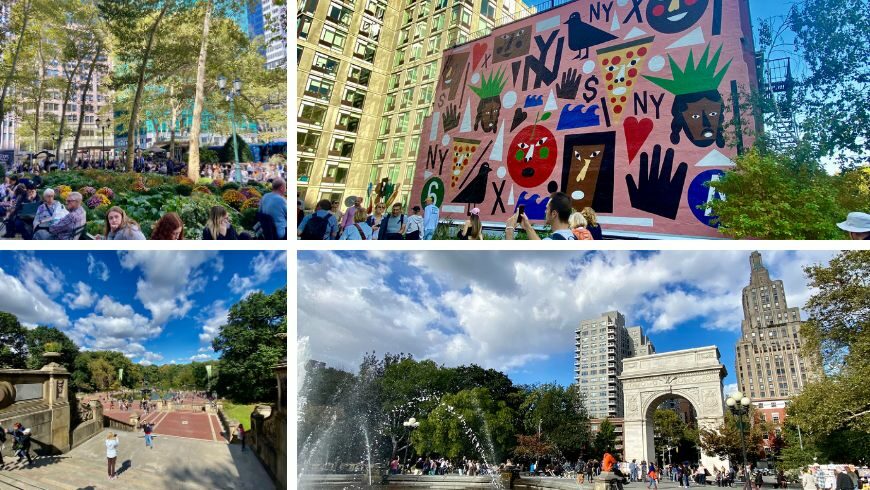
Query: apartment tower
[601,345]
[366,77]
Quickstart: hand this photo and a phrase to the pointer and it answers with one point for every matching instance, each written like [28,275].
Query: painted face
[451,74]
[512,44]
[702,121]
[487,114]
[534,156]
[671,16]
[583,176]
[621,73]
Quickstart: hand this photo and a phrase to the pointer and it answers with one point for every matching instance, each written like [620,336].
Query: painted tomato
[532,159]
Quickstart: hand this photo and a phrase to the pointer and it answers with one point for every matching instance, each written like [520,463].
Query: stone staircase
[175,463]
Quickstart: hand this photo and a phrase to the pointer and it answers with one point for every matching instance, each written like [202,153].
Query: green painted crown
[693,79]
[492,86]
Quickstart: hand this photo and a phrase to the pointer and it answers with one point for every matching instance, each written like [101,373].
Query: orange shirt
[607,462]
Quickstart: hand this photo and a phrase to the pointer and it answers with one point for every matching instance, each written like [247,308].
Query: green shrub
[207,156]
[194,210]
[248,219]
[183,189]
[230,185]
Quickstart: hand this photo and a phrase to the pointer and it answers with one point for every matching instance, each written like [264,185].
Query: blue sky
[155,306]
[517,311]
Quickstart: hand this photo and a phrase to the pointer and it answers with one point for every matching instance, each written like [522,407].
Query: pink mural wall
[624,105]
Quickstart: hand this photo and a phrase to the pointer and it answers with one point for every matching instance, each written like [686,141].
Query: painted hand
[450,117]
[569,86]
[657,192]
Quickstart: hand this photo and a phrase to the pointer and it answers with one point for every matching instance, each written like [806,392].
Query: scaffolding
[778,90]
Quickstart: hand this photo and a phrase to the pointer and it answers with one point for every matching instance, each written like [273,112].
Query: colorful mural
[576,99]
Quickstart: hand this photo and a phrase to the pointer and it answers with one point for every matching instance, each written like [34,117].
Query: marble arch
[693,374]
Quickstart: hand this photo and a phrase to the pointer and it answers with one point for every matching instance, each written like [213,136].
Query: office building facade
[367,72]
[769,361]
[601,345]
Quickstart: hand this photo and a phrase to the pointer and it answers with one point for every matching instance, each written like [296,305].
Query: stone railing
[111,423]
[38,399]
[90,421]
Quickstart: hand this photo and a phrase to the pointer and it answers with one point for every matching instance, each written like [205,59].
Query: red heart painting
[477,53]
[636,133]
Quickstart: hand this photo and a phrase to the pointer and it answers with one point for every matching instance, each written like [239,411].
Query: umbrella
[156,149]
[46,153]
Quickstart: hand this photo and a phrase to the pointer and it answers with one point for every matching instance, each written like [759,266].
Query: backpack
[316,227]
[559,236]
[2,435]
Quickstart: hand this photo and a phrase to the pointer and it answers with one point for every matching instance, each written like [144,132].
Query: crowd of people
[53,220]
[328,222]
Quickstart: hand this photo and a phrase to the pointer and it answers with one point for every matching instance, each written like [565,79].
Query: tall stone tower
[769,363]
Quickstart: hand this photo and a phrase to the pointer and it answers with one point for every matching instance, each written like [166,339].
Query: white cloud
[27,300]
[200,357]
[98,268]
[729,389]
[263,266]
[168,280]
[114,326]
[211,325]
[508,310]
[83,297]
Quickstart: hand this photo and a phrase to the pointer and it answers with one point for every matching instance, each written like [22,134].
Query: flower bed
[147,197]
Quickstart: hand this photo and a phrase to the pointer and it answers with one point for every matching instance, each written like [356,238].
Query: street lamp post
[103,127]
[739,405]
[410,424]
[231,95]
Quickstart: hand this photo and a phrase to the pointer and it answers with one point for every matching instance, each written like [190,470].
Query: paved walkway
[174,463]
[195,425]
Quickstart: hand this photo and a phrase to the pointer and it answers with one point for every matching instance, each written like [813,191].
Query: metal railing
[509,18]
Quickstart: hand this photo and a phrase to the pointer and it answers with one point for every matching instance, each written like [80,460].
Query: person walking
[240,433]
[22,442]
[414,229]
[112,453]
[430,219]
[808,480]
[148,428]
[653,477]
[632,467]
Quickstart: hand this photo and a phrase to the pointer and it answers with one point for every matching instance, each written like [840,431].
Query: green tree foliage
[39,336]
[835,408]
[98,370]
[102,373]
[250,347]
[604,440]
[469,423]
[228,155]
[776,197]
[724,441]
[533,448]
[13,342]
[672,432]
[832,37]
[560,415]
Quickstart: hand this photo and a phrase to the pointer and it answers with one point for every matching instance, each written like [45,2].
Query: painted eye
[541,141]
[577,154]
[714,114]
[523,146]
[633,62]
[611,68]
[696,116]
[594,153]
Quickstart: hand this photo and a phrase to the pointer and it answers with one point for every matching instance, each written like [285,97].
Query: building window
[370,29]
[385,125]
[335,173]
[339,14]
[319,88]
[397,151]
[332,38]
[306,141]
[354,98]
[402,123]
[407,97]
[309,6]
[303,27]
[380,152]
[311,114]
[359,75]
[418,120]
[325,64]
[404,35]
[303,169]
[347,122]
[394,81]
[438,22]
[390,103]
[364,51]
[416,51]
[411,76]
[341,147]
[375,8]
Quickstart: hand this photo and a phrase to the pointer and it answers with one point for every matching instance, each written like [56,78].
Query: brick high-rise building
[367,72]
[769,362]
[601,345]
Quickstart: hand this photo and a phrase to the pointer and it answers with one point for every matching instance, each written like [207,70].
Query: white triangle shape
[511,201]
[498,146]
[635,32]
[427,174]
[433,131]
[715,159]
[466,118]
[551,102]
[691,39]
[615,25]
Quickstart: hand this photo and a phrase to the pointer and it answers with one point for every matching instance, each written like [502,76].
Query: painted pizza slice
[463,150]
[620,65]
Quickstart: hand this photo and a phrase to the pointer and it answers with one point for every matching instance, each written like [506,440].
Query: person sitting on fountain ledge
[610,472]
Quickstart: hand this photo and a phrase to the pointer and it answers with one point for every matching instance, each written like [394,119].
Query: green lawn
[242,413]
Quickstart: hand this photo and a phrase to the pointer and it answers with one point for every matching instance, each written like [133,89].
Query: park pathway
[174,463]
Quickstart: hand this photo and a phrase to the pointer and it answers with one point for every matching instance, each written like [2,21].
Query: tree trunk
[196,123]
[173,119]
[70,83]
[28,4]
[38,98]
[133,127]
[84,97]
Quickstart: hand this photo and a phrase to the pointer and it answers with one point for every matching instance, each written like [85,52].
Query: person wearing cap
[414,229]
[111,453]
[349,213]
[22,442]
[472,229]
[857,225]
[430,218]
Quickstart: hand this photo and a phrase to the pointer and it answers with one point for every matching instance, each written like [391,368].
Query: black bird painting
[582,36]
[475,191]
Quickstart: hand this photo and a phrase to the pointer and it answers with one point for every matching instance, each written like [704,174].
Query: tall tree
[39,336]
[193,153]
[560,416]
[724,441]
[93,65]
[131,22]
[249,347]
[102,373]
[24,11]
[605,438]
[13,342]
